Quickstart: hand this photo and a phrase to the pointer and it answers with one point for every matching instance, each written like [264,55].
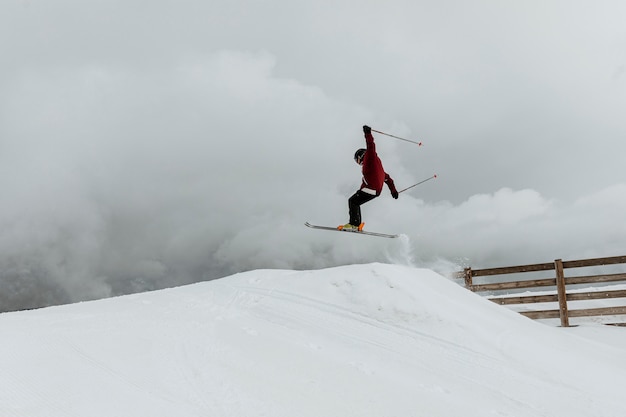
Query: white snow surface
[361,340]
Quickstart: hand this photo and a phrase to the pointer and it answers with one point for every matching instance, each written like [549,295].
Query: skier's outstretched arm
[369,139]
[392,186]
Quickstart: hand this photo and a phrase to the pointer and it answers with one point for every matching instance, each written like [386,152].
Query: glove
[394,194]
[367,129]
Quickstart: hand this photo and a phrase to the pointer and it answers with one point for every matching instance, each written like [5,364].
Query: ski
[362,232]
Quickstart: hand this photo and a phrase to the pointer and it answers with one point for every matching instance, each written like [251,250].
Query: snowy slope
[362,340]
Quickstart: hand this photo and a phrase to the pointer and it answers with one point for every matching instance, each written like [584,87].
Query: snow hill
[361,340]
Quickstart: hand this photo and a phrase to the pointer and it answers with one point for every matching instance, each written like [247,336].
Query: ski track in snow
[395,335]
[364,340]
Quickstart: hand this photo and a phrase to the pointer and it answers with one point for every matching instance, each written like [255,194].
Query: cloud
[150,145]
[515,227]
[118,180]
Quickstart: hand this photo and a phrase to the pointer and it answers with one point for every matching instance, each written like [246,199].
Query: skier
[373,178]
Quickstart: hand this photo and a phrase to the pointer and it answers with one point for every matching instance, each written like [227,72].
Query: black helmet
[358,155]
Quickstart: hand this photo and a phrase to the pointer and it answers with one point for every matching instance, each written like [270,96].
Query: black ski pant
[354,205]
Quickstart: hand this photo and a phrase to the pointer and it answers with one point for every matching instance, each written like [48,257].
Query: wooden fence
[560,281]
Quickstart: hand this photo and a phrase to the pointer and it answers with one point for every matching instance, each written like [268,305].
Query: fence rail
[560,281]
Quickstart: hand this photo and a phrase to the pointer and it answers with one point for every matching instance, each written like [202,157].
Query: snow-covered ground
[362,340]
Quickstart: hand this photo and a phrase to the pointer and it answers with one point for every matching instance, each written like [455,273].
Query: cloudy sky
[146,144]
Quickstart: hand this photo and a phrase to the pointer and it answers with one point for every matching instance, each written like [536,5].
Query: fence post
[562,294]
[468,278]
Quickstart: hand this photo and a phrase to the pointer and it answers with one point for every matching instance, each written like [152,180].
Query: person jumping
[374,176]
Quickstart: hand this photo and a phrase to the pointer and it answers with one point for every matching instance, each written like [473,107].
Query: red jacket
[374,174]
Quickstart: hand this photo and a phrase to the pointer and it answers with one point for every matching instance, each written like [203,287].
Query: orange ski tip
[361,227]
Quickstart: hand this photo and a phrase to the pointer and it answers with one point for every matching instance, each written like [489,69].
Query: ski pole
[421,182]
[396,137]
